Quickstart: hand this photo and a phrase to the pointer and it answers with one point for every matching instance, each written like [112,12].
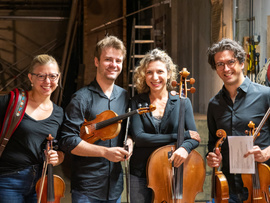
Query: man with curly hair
[235,105]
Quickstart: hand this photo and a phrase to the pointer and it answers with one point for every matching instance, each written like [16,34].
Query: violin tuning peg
[192,90]
[174,83]
[191,81]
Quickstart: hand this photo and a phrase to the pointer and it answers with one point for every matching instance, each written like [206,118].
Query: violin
[50,188]
[220,187]
[258,183]
[170,184]
[107,124]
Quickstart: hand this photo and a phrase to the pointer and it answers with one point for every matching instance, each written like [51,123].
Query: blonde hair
[110,41]
[42,59]
[154,55]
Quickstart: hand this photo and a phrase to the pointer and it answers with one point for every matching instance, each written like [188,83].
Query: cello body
[258,193]
[159,174]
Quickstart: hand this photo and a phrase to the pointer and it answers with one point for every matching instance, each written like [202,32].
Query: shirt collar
[94,86]
[244,86]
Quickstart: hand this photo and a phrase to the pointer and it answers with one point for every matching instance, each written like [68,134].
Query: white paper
[238,146]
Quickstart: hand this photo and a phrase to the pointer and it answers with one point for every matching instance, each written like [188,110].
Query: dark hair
[225,44]
[110,41]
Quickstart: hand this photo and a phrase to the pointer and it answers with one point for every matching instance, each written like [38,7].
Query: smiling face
[110,64]
[231,75]
[47,86]
[156,76]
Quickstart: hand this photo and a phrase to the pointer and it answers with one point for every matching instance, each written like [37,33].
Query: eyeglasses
[229,63]
[42,77]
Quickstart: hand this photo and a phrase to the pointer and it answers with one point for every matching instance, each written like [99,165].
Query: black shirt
[251,104]
[96,177]
[26,145]
[148,136]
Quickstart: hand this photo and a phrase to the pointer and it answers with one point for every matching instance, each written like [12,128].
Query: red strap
[14,114]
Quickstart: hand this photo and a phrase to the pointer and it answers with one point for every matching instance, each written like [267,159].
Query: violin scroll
[222,134]
[146,109]
[220,187]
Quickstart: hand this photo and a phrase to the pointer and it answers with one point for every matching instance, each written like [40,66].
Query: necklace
[39,104]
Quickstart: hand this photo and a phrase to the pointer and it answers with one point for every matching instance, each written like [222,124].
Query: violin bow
[44,170]
[126,161]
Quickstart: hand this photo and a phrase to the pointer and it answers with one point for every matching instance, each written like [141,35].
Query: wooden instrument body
[159,174]
[92,134]
[221,188]
[260,194]
[59,189]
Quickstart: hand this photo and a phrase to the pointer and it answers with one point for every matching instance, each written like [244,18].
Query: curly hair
[154,55]
[225,44]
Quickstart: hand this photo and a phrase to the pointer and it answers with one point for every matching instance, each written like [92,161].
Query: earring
[32,84]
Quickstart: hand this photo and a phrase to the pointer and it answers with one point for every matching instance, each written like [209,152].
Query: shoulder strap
[14,114]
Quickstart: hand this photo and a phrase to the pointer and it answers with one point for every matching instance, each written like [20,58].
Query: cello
[50,188]
[220,187]
[258,183]
[170,184]
[107,124]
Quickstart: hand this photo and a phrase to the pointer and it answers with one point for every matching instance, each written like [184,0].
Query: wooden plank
[268,37]
[245,46]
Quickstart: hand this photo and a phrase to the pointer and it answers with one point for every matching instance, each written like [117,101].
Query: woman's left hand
[179,156]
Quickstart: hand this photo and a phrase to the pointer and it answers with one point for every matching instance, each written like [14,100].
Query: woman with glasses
[22,159]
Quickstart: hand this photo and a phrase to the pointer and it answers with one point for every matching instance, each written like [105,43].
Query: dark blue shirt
[96,177]
[251,104]
[148,136]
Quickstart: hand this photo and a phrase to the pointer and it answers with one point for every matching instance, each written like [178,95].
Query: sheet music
[238,146]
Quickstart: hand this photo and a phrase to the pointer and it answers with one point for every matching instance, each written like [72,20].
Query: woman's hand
[195,135]
[179,156]
[55,157]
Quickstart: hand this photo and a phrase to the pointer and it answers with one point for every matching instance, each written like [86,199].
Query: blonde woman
[153,130]
[23,157]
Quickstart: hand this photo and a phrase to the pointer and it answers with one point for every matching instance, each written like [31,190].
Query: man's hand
[259,155]
[116,154]
[214,159]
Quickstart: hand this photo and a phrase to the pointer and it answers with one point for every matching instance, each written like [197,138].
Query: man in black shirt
[96,168]
[237,103]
